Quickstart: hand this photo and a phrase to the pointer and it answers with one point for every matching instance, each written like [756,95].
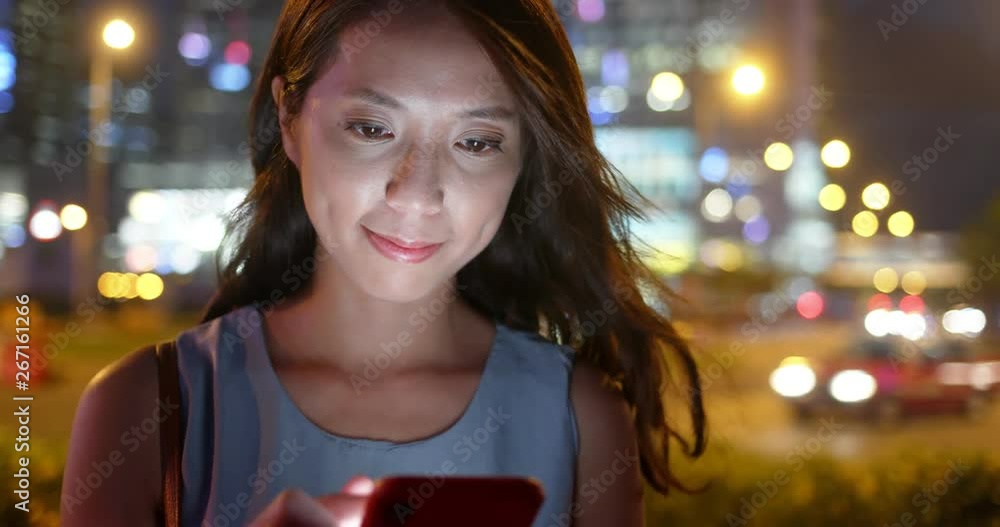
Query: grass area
[74,358]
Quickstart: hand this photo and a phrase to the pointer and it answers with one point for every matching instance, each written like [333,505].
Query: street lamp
[900,224]
[748,80]
[117,34]
[876,196]
[835,154]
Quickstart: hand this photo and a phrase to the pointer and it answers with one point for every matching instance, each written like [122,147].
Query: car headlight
[852,386]
[793,378]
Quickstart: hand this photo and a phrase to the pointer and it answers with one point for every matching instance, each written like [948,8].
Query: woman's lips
[397,250]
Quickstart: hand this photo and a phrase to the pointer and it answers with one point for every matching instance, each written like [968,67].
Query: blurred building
[713,109]
[693,109]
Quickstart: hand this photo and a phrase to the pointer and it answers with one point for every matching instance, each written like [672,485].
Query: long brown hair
[562,262]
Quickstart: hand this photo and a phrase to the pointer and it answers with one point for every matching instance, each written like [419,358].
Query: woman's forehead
[418,61]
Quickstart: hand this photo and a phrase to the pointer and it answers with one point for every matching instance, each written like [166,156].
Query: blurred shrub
[45,467]
[908,489]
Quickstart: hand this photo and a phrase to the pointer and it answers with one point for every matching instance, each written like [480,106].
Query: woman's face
[410,137]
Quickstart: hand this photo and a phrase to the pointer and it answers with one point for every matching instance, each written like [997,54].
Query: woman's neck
[342,327]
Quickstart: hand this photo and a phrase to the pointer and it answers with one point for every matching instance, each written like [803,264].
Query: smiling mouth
[400,250]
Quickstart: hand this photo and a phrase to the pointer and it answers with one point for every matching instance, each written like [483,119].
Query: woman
[428,202]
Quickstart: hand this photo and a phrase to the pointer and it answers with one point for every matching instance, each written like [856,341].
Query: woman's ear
[288,139]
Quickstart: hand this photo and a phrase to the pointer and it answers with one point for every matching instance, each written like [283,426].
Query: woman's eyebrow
[377,98]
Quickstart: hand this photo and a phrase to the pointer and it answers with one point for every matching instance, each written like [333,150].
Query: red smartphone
[425,501]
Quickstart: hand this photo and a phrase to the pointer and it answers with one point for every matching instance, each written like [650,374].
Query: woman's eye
[369,131]
[480,145]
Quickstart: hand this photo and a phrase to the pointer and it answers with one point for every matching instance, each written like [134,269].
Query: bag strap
[170,434]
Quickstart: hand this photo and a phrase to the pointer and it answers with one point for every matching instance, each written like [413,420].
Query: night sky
[939,70]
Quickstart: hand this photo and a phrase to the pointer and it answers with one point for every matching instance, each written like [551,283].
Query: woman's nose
[416,182]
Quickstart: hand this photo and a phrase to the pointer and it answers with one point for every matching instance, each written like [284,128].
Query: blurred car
[891,377]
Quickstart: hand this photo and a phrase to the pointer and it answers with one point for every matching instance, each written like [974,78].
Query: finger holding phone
[294,507]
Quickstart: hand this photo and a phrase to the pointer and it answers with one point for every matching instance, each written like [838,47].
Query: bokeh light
[832,197]
[757,230]
[900,224]
[879,301]
[747,208]
[912,304]
[748,80]
[886,280]
[714,164]
[237,52]
[865,223]
[717,205]
[835,154]
[73,217]
[146,206]
[590,10]
[118,34]
[229,77]
[914,282]
[149,286]
[667,86]
[809,305]
[875,196]
[45,224]
[194,47]
[778,156]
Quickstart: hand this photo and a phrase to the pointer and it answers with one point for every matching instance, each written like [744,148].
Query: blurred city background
[826,204]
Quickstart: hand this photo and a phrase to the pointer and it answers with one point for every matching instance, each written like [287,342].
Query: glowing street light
[835,154]
[914,282]
[118,34]
[832,197]
[886,280]
[667,86]
[778,156]
[875,196]
[748,80]
[44,224]
[73,217]
[865,224]
[900,224]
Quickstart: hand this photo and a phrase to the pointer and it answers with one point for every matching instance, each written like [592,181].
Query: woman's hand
[295,508]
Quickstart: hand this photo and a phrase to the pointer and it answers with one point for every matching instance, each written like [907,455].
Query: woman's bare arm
[112,474]
[608,478]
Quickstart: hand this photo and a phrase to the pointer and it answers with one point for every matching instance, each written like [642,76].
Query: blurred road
[743,410]
[759,421]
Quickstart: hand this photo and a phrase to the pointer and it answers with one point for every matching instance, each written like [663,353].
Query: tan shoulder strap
[170,434]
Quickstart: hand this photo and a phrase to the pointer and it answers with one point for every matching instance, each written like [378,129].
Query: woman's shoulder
[108,431]
[533,352]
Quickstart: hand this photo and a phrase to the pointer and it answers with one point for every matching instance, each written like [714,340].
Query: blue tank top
[246,440]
